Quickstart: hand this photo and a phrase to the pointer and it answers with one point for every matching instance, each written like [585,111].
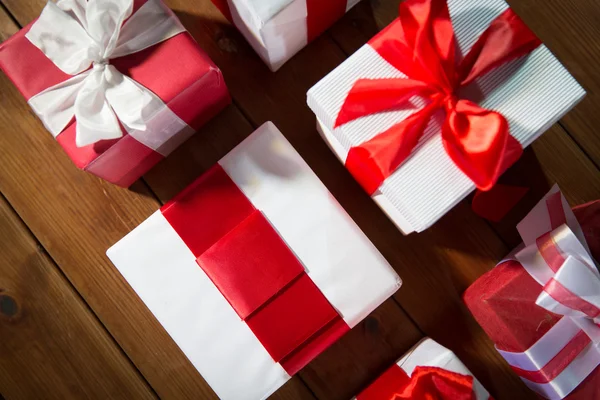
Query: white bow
[77,34]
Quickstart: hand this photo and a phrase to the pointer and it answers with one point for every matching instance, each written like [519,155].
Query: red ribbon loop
[422,45]
[425,383]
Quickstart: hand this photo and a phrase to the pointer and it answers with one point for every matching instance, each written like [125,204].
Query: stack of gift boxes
[421,116]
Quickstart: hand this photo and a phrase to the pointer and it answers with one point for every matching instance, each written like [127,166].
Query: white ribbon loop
[76,34]
[557,256]
[559,259]
[574,291]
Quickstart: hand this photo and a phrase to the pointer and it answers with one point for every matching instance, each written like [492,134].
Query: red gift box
[176,70]
[503,301]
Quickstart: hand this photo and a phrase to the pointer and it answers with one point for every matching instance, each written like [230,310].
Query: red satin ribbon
[255,270]
[421,45]
[426,383]
[320,14]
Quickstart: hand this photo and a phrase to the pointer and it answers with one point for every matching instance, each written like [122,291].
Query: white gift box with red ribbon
[278,29]
[236,352]
[429,353]
[532,93]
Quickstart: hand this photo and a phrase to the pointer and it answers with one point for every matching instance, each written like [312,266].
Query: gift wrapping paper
[532,92]
[255,268]
[174,71]
[553,352]
[278,29]
[427,353]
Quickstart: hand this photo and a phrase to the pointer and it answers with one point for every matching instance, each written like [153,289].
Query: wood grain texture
[76,216]
[8,27]
[571,30]
[52,346]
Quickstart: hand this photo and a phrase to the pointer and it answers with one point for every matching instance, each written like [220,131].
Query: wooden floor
[71,328]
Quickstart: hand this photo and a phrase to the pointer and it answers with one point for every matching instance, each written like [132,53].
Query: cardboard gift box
[278,29]
[254,269]
[427,371]
[119,83]
[541,305]
[420,145]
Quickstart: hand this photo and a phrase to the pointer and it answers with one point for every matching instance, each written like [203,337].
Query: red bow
[426,383]
[421,45]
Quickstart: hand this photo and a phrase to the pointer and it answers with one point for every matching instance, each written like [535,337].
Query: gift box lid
[333,253]
[532,92]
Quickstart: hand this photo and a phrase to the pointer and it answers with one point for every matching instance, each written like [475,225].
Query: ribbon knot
[100,64]
[78,34]
[422,46]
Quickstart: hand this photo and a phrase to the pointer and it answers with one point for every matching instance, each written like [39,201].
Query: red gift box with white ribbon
[439,103]
[541,306]
[278,29]
[254,269]
[427,371]
[119,83]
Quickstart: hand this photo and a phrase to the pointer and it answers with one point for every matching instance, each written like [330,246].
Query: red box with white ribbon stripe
[541,306]
[278,29]
[119,83]
[254,269]
[427,371]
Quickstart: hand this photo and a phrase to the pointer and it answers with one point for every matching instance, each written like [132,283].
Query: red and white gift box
[278,29]
[529,93]
[410,377]
[254,269]
[541,306]
[119,83]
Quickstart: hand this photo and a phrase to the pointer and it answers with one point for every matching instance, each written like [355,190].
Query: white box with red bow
[440,102]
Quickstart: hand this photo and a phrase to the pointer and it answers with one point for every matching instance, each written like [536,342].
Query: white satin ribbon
[77,34]
[577,274]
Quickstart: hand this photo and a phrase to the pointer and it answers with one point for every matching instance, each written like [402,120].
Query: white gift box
[276,29]
[429,353]
[339,259]
[532,92]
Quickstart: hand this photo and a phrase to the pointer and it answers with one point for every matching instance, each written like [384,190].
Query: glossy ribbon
[76,35]
[557,256]
[422,46]
[425,383]
[255,270]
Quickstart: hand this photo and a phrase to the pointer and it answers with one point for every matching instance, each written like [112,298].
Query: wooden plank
[8,27]
[52,346]
[570,29]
